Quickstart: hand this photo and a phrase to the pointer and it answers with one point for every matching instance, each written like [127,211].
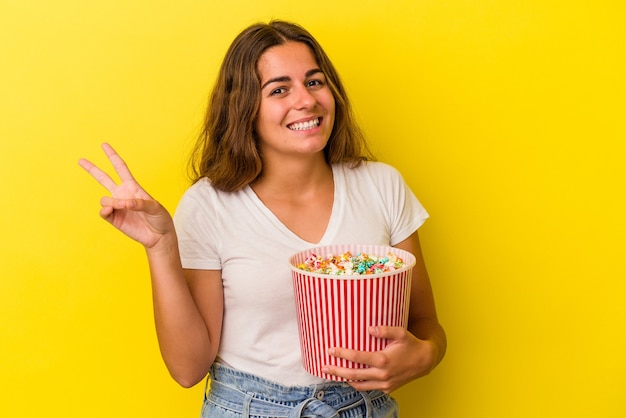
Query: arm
[410,354]
[188,309]
[187,304]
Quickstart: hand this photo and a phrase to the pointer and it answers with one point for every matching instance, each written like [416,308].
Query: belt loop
[369,407]
[320,409]
[296,412]
[245,412]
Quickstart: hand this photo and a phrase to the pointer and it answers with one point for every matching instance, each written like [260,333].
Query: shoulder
[200,188]
[372,170]
[203,189]
[197,193]
[204,197]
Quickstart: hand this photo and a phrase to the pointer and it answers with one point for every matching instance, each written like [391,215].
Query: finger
[363,357]
[106,211]
[150,207]
[100,176]
[365,385]
[118,163]
[116,204]
[390,333]
[350,374]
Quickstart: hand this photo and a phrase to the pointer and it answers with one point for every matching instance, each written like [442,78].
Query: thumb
[149,206]
[391,333]
[139,205]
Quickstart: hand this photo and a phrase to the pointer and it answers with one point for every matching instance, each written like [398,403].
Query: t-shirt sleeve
[406,213]
[195,223]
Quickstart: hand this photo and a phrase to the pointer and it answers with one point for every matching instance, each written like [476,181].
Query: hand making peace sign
[129,208]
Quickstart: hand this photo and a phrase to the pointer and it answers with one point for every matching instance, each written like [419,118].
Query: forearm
[182,333]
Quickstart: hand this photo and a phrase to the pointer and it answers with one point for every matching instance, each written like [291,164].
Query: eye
[280,90]
[314,83]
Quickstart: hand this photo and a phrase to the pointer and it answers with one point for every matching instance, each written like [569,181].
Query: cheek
[270,114]
[330,102]
[331,108]
[262,119]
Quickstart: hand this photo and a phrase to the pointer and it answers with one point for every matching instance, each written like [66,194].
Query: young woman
[280,167]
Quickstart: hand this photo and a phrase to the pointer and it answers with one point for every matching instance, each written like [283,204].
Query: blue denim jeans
[235,394]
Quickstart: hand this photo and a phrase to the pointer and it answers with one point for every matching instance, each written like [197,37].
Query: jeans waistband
[251,395]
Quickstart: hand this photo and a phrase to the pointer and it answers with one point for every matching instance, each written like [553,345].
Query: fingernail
[331,351]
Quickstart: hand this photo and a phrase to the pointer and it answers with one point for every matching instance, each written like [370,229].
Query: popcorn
[349,265]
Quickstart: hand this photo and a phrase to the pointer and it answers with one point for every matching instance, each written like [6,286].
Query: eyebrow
[285,78]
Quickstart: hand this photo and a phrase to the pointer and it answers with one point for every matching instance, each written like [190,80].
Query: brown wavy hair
[227,150]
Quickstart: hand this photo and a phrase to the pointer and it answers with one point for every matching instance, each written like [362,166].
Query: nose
[303,99]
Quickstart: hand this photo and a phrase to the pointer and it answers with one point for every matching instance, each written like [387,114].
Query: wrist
[433,342]
[166,244]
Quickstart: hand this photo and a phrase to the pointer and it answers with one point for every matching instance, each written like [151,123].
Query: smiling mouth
[303,126]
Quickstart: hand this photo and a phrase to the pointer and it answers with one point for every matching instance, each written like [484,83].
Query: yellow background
[506,117]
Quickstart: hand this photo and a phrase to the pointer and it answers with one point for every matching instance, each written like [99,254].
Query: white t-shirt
[237,234]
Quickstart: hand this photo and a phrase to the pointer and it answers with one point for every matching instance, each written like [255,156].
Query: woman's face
[297,110]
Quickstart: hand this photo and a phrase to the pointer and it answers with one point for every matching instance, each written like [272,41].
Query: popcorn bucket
[337,310]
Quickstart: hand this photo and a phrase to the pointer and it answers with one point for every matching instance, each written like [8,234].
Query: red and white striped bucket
[336,311]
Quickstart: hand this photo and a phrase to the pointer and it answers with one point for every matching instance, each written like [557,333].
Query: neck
[294,176]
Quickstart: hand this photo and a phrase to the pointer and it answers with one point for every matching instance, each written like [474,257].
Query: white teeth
[303,126]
